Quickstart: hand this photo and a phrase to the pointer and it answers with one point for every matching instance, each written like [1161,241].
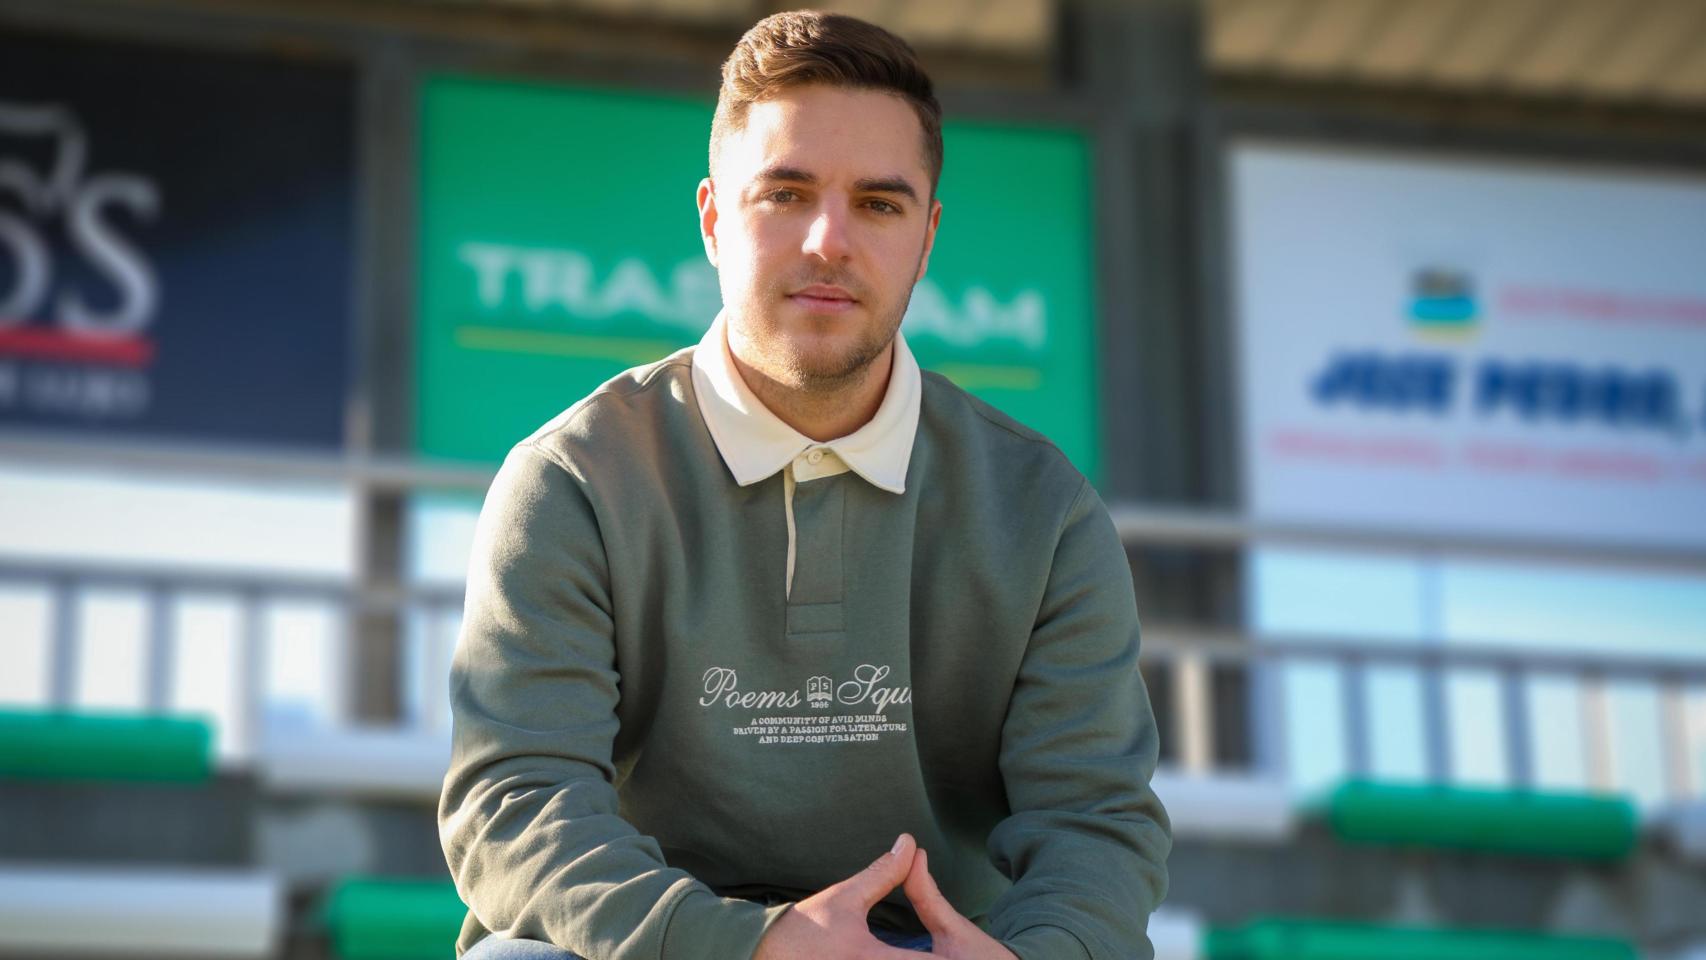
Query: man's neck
[825,414]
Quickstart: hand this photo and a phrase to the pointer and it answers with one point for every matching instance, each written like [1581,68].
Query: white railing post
[1194,712]
[1596,731]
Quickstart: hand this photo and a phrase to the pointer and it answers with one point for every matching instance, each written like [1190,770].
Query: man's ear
[708,218]
[929,238]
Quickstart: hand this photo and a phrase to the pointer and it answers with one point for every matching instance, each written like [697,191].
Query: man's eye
[884,206]
[782,196]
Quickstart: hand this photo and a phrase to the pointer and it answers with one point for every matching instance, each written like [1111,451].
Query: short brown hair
[804,47]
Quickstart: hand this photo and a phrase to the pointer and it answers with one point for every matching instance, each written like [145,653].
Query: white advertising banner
[1471,346]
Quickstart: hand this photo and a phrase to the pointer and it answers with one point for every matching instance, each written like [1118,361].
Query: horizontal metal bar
[1163,527]
[1166,643]
[276,585]
[250,464]
[1138,525]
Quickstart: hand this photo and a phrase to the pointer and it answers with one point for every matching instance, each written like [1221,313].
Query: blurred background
[1379,324]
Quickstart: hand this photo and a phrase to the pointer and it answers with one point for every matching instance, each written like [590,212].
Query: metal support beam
[381,419]
[1138,68]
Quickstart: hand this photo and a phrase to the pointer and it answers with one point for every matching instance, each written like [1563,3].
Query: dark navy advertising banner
[175,243]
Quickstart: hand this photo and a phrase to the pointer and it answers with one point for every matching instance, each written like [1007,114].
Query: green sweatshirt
[661,736]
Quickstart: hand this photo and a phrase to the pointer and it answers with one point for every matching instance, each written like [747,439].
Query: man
[750,616]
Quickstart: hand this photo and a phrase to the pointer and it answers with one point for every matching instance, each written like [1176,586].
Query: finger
[934,911]
[887,872]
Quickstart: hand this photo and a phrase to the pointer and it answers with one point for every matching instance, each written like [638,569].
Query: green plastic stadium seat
[1292,939]
[58,745]
[1524,822]
[374,918]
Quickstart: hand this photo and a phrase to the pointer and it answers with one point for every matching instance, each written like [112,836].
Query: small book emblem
[817,692]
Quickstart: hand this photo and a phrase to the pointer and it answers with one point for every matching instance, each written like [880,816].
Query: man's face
[819,219]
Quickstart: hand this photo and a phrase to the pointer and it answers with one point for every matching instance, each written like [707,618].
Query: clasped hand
[831,924]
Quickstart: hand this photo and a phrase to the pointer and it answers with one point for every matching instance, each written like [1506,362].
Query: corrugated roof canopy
[1648,52]
[1022,28]
[1642,51]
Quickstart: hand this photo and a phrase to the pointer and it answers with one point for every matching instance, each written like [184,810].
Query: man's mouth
[824,298]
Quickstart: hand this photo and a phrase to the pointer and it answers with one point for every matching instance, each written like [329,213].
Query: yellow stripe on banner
[630,350]
[983,376]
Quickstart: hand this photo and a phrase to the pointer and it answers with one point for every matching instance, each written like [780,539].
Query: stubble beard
[829,371]
[825,373]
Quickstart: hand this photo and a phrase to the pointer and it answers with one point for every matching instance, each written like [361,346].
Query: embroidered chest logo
[865,689]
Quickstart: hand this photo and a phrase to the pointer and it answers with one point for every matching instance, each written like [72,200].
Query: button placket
[819,514]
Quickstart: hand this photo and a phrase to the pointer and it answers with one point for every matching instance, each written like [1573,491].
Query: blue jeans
[493,948]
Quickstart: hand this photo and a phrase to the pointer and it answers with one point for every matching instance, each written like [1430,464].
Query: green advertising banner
[560,245]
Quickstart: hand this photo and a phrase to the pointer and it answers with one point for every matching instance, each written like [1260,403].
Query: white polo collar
[755,443]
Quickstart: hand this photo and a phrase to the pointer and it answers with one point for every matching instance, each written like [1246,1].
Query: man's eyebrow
[786,173]
[891,184]
[898,185]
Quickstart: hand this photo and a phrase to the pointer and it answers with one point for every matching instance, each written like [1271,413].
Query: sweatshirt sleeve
[528,818]
[1086,841]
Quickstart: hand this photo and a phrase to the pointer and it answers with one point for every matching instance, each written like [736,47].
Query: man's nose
[827,238]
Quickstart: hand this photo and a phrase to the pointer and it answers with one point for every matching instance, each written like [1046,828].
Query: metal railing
[1186,658]
[1189,655]
[65,584]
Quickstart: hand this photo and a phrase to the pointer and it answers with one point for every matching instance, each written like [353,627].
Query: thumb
[934,911]
[884,874]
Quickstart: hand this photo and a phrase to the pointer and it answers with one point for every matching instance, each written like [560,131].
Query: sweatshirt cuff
[1047,942]
[706,925]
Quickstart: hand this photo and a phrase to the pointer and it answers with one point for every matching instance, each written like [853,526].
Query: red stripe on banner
[54,345]
[1390,450]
